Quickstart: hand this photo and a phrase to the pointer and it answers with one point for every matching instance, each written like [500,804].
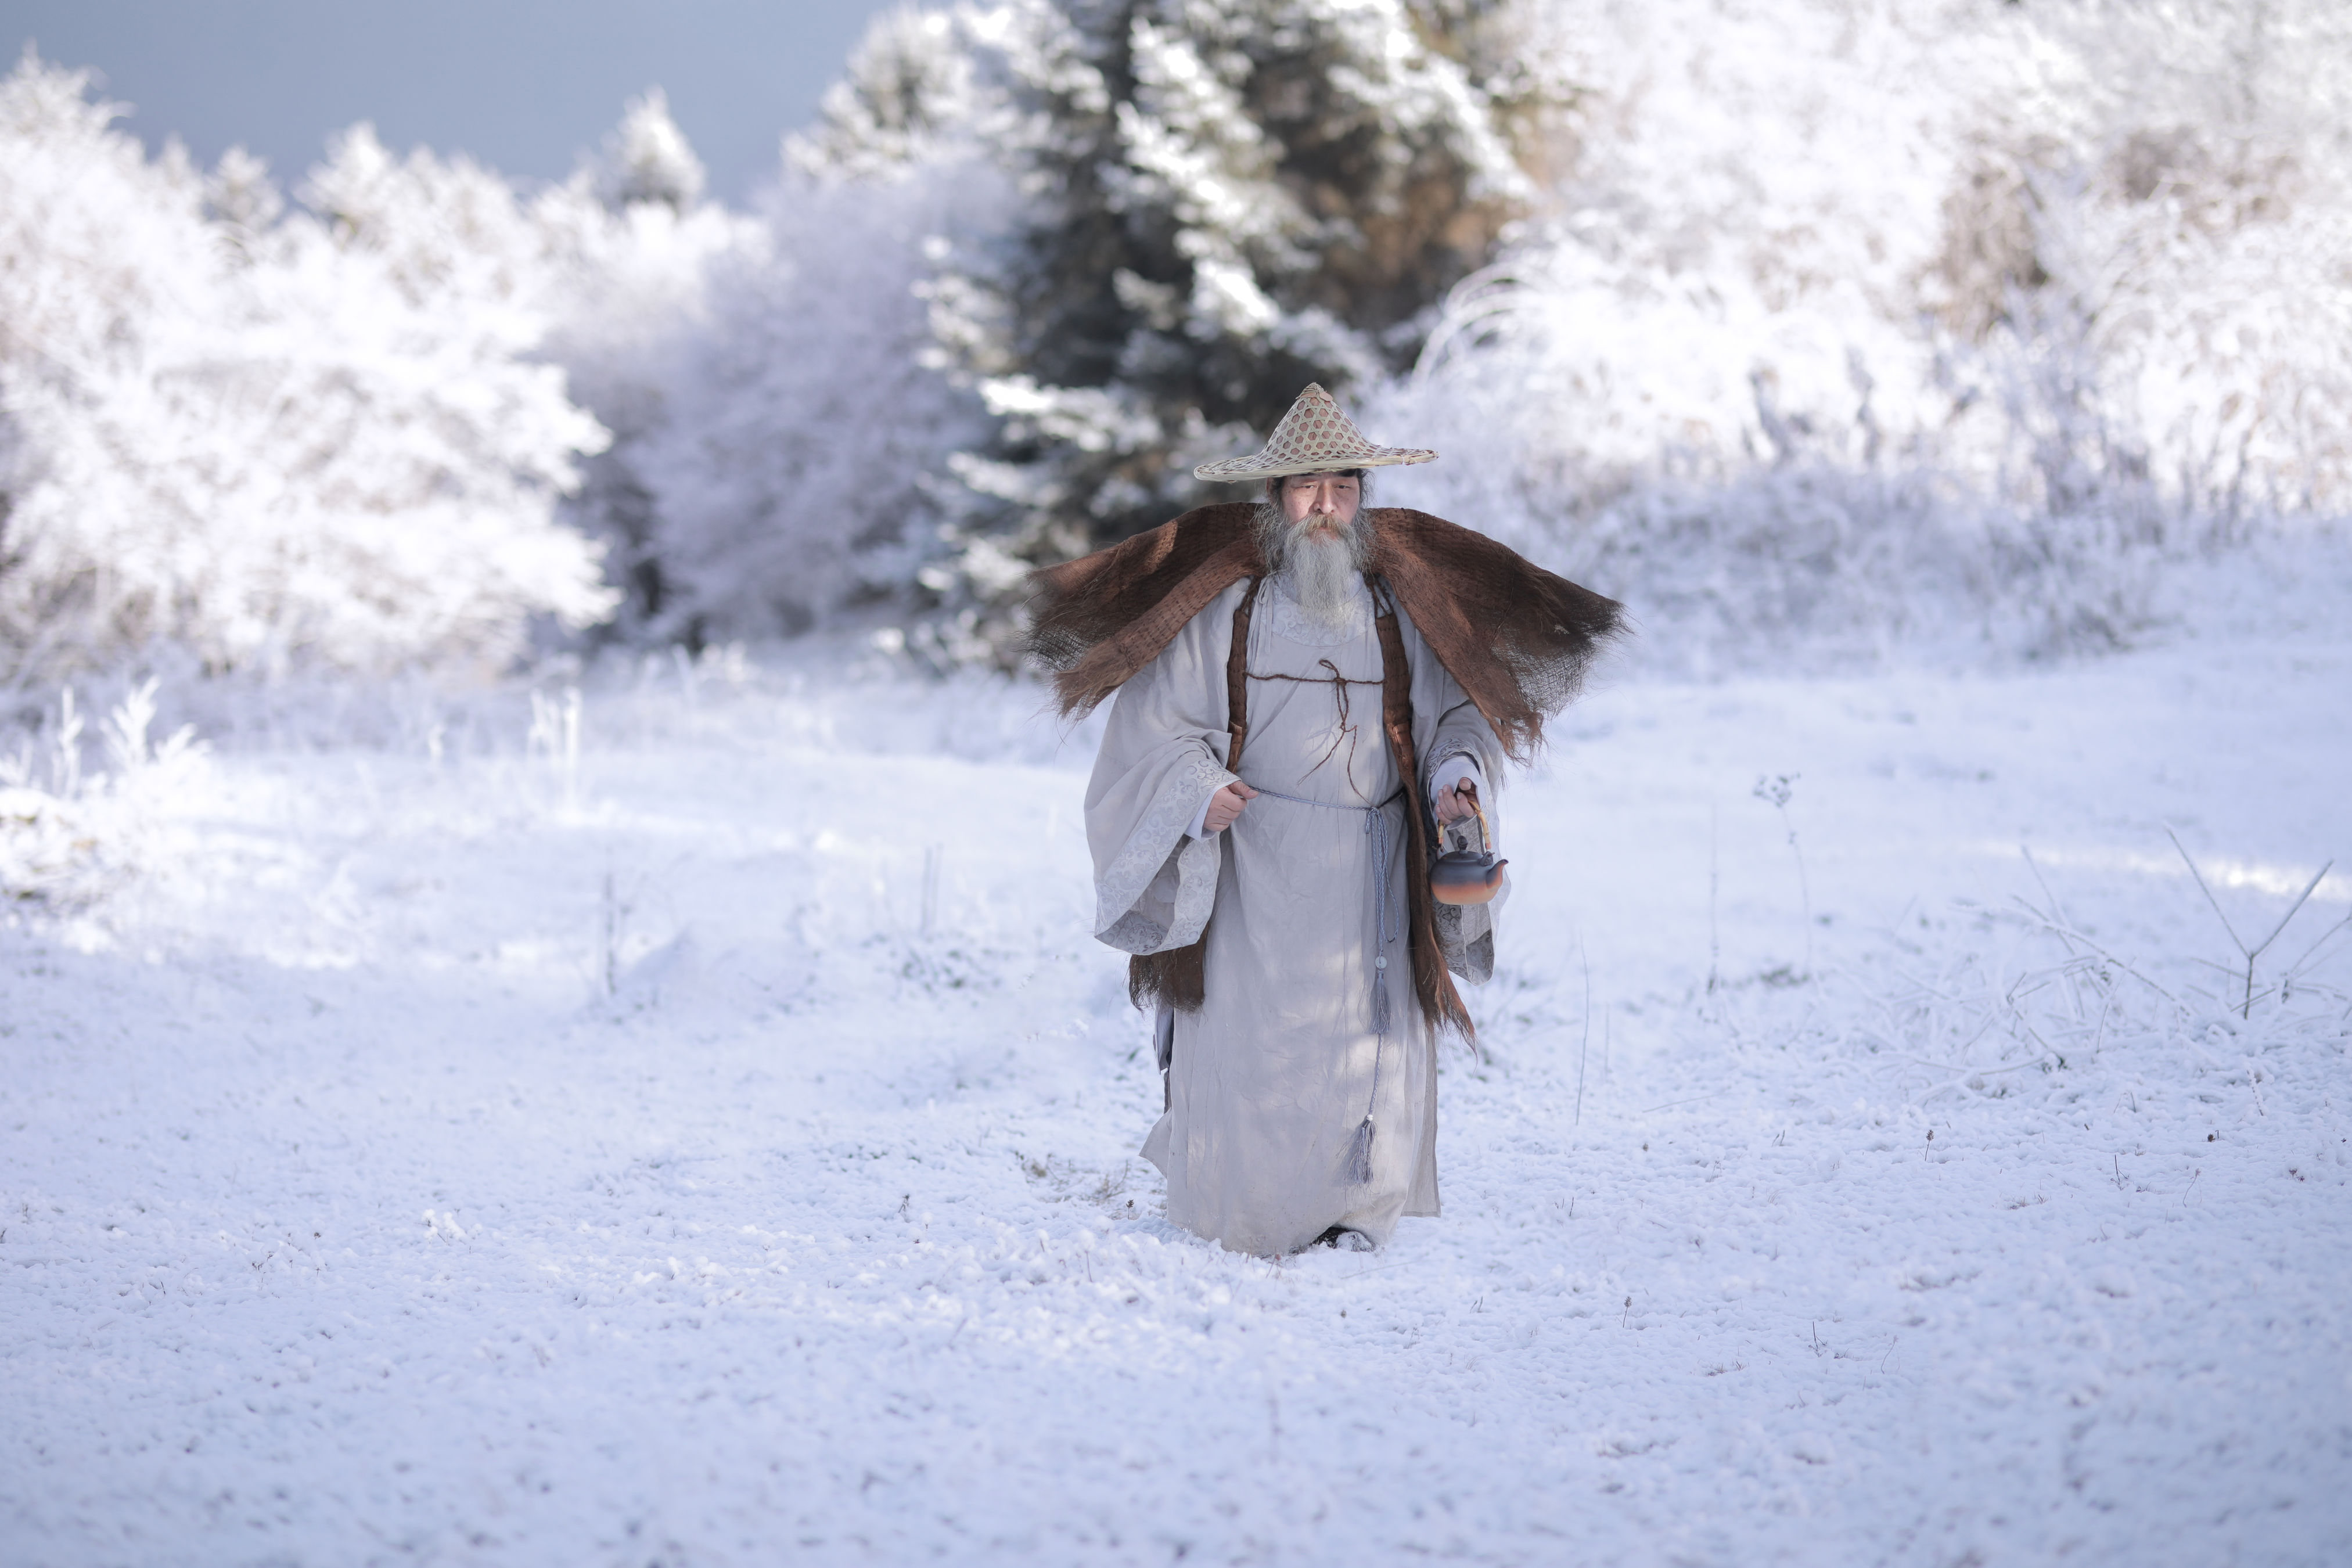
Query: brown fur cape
[1517,638]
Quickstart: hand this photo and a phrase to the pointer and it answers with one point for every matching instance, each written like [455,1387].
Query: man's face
[1327,502]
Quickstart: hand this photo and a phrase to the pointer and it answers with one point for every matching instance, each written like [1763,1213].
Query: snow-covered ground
[718,1149]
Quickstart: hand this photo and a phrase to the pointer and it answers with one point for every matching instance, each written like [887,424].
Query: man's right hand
[1226,805]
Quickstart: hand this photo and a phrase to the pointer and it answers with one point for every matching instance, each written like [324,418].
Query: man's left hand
[1454,804]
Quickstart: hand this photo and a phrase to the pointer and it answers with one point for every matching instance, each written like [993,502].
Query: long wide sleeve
[1161,759]
[1447,724]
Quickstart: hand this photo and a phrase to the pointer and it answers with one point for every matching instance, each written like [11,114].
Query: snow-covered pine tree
[1226,200]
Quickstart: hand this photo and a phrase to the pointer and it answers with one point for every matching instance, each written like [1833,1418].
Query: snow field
[711,1141]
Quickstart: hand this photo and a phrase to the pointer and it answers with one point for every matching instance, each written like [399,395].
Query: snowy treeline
[1845,320]
[1817,321]
[260,434]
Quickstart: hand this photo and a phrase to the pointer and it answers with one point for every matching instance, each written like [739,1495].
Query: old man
[1309,693]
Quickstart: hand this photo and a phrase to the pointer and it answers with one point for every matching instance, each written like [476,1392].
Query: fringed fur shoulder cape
[1519,639]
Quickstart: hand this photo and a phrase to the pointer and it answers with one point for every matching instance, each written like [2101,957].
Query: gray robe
[1272,1075]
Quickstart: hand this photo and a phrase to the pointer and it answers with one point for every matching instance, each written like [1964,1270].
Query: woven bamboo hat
[1312,438]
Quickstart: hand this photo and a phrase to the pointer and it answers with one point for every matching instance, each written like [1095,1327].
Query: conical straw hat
[1313,438]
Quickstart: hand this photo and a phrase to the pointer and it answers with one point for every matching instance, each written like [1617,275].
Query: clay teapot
[1462,874]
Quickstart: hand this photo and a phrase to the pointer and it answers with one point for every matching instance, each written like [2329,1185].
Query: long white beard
[1322,571]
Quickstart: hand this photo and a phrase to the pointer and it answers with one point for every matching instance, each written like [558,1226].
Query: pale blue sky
[523,85]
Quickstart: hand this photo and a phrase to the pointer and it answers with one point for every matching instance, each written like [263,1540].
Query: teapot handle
[1485,836]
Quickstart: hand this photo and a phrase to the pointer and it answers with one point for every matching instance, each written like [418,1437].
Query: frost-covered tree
[1730,250]
[647,159]
[911,94]
[628,247]
[1226,199]
[799,462]
[1034,259]
[269,439]
[2146,268]
[802,464]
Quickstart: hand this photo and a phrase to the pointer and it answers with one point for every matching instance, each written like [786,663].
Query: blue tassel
[1380,998]
[1360,1156]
